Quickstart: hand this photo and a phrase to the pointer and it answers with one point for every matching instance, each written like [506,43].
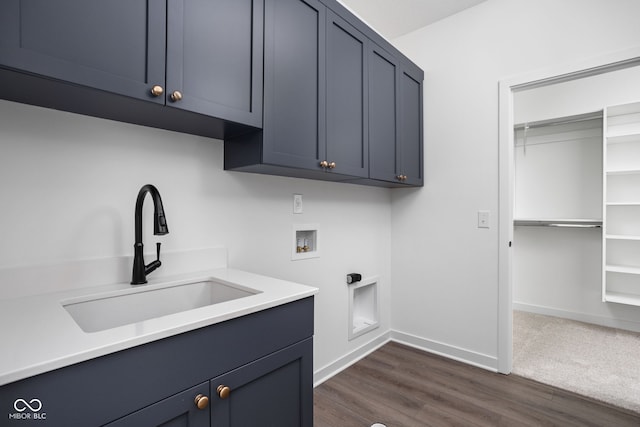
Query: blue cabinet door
[275,390]
[116,46]
[347,98]
[294,83]
[411,132]
[384,126]
[180,410]
[214,58]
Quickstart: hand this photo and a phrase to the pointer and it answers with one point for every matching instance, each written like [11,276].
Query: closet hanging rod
[521,143]
[576,223]
[559,121]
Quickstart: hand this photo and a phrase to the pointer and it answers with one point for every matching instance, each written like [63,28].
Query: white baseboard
[342,363]
[465,356]
[610,322]
[480,360]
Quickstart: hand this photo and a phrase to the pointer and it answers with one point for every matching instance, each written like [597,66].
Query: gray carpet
[602,363]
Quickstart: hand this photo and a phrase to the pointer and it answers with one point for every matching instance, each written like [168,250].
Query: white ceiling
[394,18]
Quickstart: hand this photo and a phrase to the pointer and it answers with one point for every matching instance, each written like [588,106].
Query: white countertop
[39,335]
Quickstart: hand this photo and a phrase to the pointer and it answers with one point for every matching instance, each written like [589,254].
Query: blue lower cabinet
[254,370]
[267,392]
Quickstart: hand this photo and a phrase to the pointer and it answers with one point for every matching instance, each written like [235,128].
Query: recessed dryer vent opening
[363,307]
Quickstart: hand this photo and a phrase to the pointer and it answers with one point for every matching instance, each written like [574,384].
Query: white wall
[68,185]
[445,270]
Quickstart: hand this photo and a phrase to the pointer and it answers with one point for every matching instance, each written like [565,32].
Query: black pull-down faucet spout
[140,270]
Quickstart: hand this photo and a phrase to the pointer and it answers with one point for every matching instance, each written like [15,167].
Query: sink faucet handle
[153,264]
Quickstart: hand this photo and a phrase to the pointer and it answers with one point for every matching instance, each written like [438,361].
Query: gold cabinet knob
[176,96]
[332,165]
[223,391]
[324,164]
[399,177]
[157,90]
[202,401]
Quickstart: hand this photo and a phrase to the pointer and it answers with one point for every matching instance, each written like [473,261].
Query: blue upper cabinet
[116,46]
[195,56]
[315,91]
[315,97]
[299,88]
[337,107]
[395,119]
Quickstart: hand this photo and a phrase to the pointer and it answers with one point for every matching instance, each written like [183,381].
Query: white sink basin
[112,309]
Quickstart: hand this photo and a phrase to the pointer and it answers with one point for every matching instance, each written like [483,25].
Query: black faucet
[140,270]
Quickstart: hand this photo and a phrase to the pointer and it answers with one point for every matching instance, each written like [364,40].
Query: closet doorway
[570,98]
[577,202]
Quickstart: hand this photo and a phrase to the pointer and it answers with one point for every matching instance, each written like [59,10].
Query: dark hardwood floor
[401,386]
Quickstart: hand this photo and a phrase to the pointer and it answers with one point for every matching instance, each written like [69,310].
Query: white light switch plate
[297,203]
[483,219]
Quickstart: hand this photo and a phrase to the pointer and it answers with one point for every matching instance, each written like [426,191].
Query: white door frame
[592,66]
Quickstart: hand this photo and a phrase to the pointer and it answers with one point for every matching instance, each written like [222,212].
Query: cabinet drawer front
[117,45]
